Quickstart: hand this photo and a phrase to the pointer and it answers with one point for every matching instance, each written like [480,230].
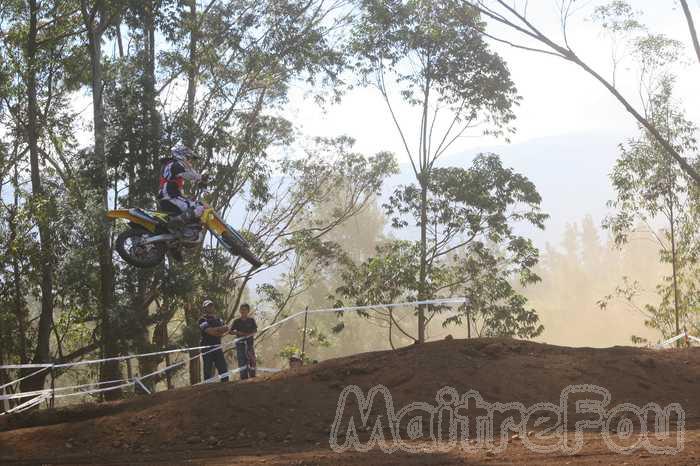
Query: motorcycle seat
[160,216]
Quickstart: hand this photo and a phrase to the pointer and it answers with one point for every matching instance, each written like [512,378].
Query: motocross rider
[175,171]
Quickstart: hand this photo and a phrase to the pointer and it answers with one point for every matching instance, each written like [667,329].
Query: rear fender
[133,216]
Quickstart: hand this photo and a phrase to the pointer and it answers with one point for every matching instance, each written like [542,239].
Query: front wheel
[238,247]
[130,248]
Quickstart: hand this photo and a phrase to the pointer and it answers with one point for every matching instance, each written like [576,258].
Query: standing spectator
[245,329]
[213,328]
[296,361]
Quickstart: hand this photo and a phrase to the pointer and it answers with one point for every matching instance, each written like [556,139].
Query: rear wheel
[131,248]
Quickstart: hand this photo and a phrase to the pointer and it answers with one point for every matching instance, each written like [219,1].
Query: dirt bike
[147,240]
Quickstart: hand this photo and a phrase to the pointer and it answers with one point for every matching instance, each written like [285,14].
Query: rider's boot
[175,224]
[178,223]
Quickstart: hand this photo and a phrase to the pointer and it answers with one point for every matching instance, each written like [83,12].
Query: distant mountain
[569,171]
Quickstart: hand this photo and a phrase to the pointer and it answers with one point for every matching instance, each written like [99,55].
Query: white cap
[206,303]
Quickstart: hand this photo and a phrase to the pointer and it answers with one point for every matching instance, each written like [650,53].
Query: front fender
[213,222]
[133,217]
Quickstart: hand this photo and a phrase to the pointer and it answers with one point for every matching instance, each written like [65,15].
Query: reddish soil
[286,418]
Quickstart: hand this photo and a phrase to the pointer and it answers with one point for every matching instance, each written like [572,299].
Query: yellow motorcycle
[147,240]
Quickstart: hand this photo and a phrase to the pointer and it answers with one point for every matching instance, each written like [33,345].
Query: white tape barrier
[366,308]
[98,361]
[23,378]
[280,322]
[224,347]
[316,311]
[63,389]
[670,340]
[27,404]
[18,396]
[676,338]
[118,384]
[91,392]
[218,377]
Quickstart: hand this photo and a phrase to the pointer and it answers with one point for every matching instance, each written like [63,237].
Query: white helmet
[206,303]
[181,153]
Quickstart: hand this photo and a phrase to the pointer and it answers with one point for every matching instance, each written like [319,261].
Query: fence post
[53,386]
[303,340]
[469,319]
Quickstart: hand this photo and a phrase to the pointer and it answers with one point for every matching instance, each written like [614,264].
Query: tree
[297,229]
[97,18]
[432,55]
[229,115]
[494,307]
[472,248]
[314,276]
[619,17]
[37,46]
[650,188]
[389,276]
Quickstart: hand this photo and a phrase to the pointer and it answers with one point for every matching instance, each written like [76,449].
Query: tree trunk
[110,339]
[20,304]
[191,318]
[422,295]
[469,322]
[4,378]
[424,155]
[154,116]
[142,334]
[39,207]
[190,137]
[676,304]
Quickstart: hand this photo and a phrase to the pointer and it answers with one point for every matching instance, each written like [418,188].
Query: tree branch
[691,28]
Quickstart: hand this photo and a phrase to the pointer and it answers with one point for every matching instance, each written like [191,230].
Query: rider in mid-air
[175,171]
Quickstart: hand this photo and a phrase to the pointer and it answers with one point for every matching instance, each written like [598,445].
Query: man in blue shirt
[212,328]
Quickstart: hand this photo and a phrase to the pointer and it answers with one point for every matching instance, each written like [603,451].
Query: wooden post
[303,340]
[53,387]
[5,403]
[469,319]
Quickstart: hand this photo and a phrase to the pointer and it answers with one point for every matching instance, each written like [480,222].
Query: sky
[560,103]
[559,98]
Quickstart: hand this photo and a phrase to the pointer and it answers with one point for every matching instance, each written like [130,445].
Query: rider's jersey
[172,179]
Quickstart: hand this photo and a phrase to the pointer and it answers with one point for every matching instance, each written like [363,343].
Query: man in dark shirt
[245,329]
[212,329]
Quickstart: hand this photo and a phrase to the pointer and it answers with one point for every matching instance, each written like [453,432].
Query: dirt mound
[293,411]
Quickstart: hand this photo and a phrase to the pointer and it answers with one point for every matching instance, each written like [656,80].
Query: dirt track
[286,418]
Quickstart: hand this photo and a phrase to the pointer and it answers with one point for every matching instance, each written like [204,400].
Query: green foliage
[292,350]
[473,250]
[617,16]
[650,189]
[433,57]
[241,58]
[481,201]
[433,47]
